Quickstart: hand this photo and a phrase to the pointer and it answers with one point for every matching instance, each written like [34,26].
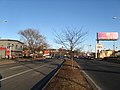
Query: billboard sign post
[105,36]
[98,48]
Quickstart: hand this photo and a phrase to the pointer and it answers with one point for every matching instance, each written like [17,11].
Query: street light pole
[3,21]
[115,17]
[114,41]
[89,47]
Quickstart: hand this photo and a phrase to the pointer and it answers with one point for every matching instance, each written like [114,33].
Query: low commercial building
[10,48]
[106,53]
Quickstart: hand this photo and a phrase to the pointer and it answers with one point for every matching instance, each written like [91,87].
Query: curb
[53,75]
[7,62]
[44,82]
[89,79]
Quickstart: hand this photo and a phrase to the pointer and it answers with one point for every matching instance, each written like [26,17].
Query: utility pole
[116,17]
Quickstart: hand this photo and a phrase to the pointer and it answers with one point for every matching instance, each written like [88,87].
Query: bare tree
[32,38]
[70,38]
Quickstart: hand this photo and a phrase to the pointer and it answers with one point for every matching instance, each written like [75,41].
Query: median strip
[69,78]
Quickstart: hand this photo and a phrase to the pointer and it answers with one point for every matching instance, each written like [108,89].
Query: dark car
[0,79]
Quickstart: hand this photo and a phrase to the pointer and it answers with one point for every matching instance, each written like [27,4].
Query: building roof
[11,40]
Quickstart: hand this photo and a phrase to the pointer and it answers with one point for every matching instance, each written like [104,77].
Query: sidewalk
[9,61]
[69,78]
[6,61]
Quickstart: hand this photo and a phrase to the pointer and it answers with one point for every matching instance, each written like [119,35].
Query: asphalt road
[24,75]
[106,75]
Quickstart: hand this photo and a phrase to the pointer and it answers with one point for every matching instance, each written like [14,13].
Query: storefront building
[10,48]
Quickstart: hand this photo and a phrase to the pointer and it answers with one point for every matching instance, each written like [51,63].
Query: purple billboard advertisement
[107,36]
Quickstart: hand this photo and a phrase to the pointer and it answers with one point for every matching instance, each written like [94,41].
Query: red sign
[46,52]
[8,52]
[107,35]
[2,48]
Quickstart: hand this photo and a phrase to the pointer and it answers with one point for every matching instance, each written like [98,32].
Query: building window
[8,44]
[20,46]
[16,46]
[12,45]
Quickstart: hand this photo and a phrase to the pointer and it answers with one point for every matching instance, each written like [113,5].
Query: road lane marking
[89,78]
[22,73]
[16,67]
[98,88]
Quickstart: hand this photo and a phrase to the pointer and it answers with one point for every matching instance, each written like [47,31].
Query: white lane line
[21,73]
[89,78]
[16,67]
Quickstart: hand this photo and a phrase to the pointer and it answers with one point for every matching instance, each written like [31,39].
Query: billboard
[107,36]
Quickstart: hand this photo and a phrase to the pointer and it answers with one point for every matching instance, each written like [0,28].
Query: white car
[47,56]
